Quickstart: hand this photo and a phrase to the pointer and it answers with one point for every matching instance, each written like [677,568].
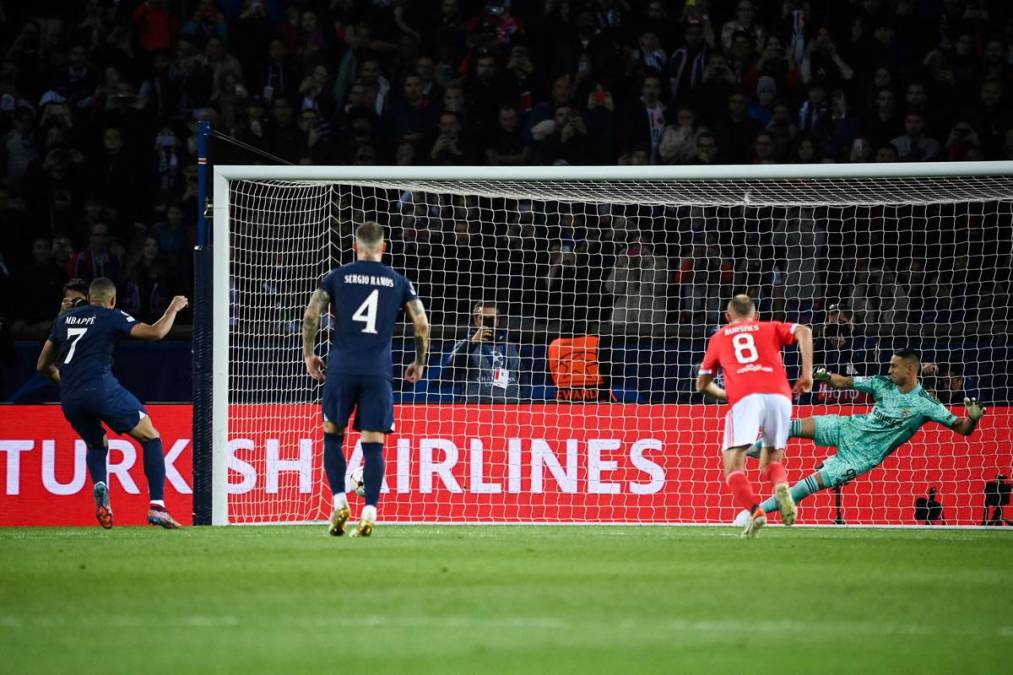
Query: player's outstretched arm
[161,328]
[835,381]
[420,322]
[965,426]
[705,385]
[804,336]
[46,365]
[310,325]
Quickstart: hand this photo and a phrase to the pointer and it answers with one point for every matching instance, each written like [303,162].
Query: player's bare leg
[334,466]
[372,447]
[734,460]
[154,470]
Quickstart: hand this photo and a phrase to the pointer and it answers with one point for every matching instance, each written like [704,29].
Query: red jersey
[749,353]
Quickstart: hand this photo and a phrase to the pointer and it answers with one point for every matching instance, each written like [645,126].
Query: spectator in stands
[913,145]
[961,142]
[823,64]
[773,63]
[884,123]
[760,109]
[149,283]
[98,260]
[706,148]
[19,147]
[506,147]
[484,90]
[646,119]
[783,132]
[840,346]
[40,287]
[763,149]
[561,140]
[450,147]
[739,130]
[638,285]
[878,297]
[678,141]
[486,362]
[717,82]
[687,64]
[798,241]
[948,382]
[702,273]
[63,254]
[412,118]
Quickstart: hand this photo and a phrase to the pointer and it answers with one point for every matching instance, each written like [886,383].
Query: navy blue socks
[95,458]
[334,462]
[372,471]
[154,469]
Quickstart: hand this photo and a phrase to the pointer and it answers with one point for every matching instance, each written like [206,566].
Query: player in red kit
[759,398]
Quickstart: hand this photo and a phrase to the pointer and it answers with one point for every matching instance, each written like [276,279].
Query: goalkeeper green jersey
[895,417]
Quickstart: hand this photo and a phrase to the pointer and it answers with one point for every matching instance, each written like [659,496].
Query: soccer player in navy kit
[79,355]
[366,298]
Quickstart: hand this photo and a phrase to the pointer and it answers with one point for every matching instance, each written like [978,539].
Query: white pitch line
[639,625]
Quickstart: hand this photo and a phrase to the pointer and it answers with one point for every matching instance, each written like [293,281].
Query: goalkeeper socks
[795,430]
[334,463]
[742,490]
[799,491]
[775,473]
[372,472]
[154,468]
[95,458]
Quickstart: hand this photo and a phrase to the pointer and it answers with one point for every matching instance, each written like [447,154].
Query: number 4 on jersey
[367,312]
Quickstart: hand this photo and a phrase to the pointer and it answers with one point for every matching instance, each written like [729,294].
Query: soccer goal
[578,406]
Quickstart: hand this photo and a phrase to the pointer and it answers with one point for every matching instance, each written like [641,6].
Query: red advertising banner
[490,463]
[45,480]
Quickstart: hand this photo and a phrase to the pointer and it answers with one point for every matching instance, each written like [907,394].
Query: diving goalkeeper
[863,442]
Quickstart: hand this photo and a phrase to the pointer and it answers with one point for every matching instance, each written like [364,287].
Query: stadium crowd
[99,104]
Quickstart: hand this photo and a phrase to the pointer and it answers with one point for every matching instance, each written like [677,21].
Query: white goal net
[578,405]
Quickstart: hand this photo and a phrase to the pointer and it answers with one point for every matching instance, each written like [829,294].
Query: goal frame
[210,447]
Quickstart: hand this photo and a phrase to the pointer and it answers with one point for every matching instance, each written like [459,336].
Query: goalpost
[608,281]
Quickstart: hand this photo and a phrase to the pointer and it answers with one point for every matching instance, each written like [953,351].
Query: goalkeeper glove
[821,375]
[975,410]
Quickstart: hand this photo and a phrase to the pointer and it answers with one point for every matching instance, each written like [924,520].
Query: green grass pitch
[505,599]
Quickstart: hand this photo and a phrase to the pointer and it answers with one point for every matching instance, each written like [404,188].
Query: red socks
[742,490]
[775,473]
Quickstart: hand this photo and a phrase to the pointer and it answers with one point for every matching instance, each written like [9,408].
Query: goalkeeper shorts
[849,462]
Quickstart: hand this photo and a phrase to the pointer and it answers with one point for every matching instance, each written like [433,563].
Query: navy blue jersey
[86,337]
[366,300]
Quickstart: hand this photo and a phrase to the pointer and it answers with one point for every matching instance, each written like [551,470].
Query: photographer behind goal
[487,365]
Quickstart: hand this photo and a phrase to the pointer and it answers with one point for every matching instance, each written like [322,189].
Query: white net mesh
[606,293]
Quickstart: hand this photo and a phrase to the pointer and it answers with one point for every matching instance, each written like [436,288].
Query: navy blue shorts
[372,399]
[118,408]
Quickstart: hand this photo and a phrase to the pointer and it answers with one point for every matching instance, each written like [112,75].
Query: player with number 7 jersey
[759,396]
[79,356]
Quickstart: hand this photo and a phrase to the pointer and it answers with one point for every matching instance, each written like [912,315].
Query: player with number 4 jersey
[366,298]
[748,352]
